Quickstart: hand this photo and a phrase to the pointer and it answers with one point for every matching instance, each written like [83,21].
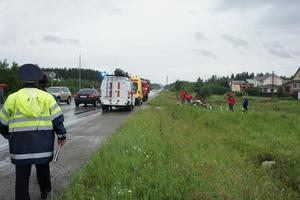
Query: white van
[116,91]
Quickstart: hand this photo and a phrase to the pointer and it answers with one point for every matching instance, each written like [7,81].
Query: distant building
[267,84]
[237,85]
[293,86]
[250,82]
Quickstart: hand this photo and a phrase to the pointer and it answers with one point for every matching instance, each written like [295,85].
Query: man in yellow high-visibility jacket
[28,120]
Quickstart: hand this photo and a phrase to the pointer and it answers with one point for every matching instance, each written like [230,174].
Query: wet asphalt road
[87,129]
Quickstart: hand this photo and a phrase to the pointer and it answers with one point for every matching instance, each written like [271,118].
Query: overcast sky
[181,39]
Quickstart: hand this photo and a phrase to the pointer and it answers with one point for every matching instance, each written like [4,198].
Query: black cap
[30,72]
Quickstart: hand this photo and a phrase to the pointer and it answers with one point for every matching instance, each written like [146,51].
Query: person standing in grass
[182,95]
[245,103]
[231,102]
[188,98]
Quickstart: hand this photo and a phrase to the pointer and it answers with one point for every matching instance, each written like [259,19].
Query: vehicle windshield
[53,90]
[135,86]
[87,91]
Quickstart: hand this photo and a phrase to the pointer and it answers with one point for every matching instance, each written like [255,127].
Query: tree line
[219,85]
[64,77]
[73,73]
[68,77]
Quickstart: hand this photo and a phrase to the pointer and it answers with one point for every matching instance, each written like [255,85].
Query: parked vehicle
[62,94]
[116,91]
[87,96]
[146,86]
[137,90]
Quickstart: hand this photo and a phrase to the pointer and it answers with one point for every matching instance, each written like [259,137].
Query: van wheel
[77,104]
[69,100]
[129,108]
[137,102]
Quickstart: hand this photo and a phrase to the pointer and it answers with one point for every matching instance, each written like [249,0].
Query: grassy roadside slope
[182,152]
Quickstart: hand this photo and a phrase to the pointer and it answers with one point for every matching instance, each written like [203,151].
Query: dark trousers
[22,180]
[1,99]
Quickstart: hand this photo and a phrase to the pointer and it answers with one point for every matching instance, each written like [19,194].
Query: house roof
[263,77]
[250,81]
[296,73]
[237,82]
[286,82]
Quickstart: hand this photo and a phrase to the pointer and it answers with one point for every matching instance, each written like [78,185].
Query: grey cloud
[200,36]
[8,41]
[296,52]
[275,12]
[237,42]
[116,11]
[206,53]
[277,49]
[59,40]
[108,6]
[241,4]
[253,4]
[32,42]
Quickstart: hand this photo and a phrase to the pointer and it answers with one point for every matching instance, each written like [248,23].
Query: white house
[267,79]
[267,83]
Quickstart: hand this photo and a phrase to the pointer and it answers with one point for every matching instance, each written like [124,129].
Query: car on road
[87,96]
[62,94]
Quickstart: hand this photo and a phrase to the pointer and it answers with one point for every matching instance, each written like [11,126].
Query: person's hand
[61,142]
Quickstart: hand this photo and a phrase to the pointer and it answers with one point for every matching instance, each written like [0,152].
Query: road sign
[52,75]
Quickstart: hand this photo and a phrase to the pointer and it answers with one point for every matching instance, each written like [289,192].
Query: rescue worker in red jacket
[29,119]
[231,102]
[182,95]
[189,98]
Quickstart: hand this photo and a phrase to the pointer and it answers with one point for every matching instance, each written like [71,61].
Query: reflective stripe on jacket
[28,119]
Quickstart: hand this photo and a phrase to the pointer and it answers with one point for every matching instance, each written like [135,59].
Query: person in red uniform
[231,102]
[188,98]
[182,95]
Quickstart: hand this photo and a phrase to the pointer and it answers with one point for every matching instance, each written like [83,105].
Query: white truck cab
[116,91]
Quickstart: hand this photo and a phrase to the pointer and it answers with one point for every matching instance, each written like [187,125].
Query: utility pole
[167,81]
[272,83]
[79,79]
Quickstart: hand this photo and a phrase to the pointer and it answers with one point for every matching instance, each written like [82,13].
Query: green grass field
[170,151]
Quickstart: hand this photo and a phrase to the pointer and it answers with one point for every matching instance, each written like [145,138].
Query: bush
[204,91]
[253,91]
[281,93]
[239,94]
[219,90]
[212,88]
